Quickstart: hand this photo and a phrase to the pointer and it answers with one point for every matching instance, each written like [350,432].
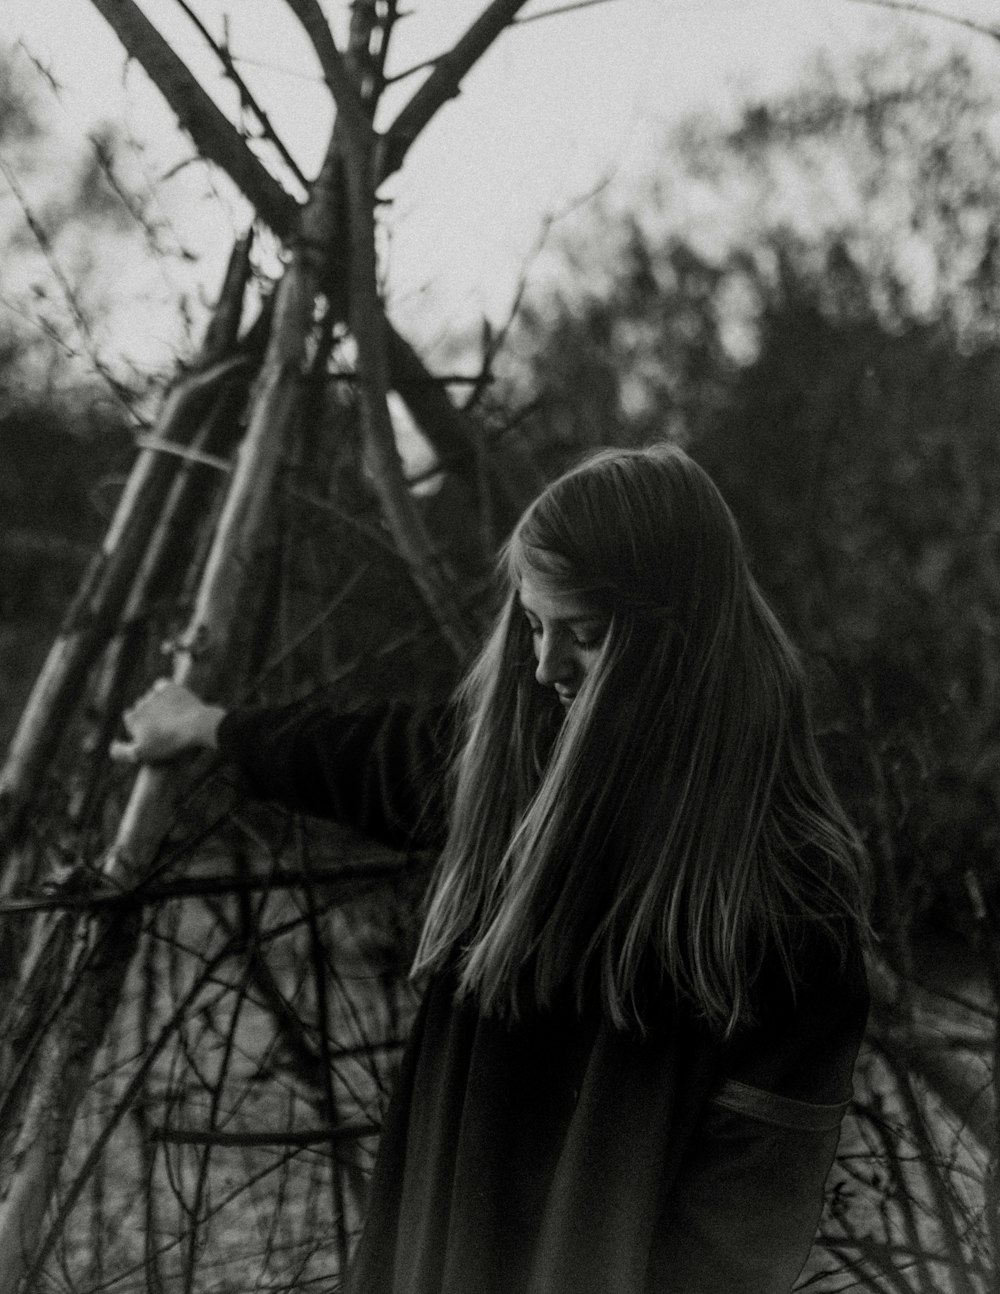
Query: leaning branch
[443,83]
[96,607]
[247,96]
[215,136]
[453,435]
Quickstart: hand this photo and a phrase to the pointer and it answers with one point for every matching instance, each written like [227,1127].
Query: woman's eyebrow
[577,619]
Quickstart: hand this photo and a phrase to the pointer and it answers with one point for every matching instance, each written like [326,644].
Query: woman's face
[566,632]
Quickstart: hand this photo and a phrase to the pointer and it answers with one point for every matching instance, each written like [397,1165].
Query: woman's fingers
[157,687]
[135,721]
[160,725]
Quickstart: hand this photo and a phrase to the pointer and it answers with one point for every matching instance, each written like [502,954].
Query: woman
[644,992]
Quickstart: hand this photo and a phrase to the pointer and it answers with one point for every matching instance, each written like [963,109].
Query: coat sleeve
[742,1213]
[380,771]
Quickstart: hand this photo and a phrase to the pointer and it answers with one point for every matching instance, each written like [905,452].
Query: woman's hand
[164,723]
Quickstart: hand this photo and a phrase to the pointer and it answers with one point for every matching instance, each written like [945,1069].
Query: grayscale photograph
[500,645]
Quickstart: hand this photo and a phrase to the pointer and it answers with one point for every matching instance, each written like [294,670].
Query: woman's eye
[584,641]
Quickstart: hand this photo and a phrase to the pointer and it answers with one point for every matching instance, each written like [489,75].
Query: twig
[442,84]
[77,312]
[424,379]
[215,136]
[319,973]
[186,452]
[225,57]
[134,206]
[302,1137]
[43,69]
[207,886]
[369,532]
[928,11]
[215,1104]
[316,623]
[557,11]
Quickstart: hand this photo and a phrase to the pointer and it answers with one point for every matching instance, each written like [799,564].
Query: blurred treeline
[68,227]
[805,295]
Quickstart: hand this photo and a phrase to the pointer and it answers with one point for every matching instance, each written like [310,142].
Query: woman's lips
[565,698]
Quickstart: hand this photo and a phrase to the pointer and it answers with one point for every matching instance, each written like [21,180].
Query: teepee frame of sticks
[188,532]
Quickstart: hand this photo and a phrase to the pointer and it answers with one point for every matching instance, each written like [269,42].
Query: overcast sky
[557,108]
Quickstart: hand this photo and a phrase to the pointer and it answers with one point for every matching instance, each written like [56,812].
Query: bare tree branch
[75,307]
[294,1137]
[442,84]
[215,136]
[247,96]
[223,330]
[557,11]
[928,11]
[369,865]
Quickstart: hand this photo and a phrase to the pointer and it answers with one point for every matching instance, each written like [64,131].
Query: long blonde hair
[676,826]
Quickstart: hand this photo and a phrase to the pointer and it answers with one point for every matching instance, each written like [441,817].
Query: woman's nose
[553,662]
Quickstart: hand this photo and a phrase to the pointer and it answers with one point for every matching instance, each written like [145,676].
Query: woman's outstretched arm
[380,770]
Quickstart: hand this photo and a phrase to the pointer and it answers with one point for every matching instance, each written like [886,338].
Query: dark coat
[558,1155]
